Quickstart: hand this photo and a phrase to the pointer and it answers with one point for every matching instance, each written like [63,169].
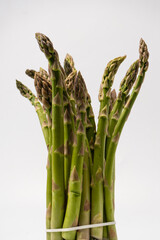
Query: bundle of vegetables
[81,159]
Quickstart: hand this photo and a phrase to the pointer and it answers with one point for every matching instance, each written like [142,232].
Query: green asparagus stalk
[68,141]
[49,178]
[71,74]
[61,70]
[91,126]
[97,177]
[44,92]
[105,233]
[125,86]
[46,131]
[58,199]
[69,83]
[49,181]
[84,218]
[113,98]
[124,89]
[108,181]
[27,93]
[112,101]
[75,181]
[99,147]
[69,123]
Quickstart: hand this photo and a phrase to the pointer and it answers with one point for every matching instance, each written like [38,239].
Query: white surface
[93,32]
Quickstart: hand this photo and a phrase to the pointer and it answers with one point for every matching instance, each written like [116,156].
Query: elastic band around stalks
[80,227]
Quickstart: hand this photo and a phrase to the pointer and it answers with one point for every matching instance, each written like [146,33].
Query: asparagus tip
[122,58]
[109,73]
[68,64]
[69,82]
[22,88]
[80,88]
[143,55]
[45,44]
[30,73]
[130,77]
[17,83]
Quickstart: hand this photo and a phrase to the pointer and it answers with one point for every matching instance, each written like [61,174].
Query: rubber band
[80,227]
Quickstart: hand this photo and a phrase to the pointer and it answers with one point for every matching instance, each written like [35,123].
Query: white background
[93,32]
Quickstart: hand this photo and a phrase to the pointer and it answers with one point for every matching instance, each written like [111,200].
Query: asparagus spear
[70,83]
[58,199]
[107,80]
[113,98]
[68,64]
[91,126]
[26,92]
[84,218]
[108,181]
[75,181]
[68,141]
[71,74]
[69,124]
[125,86]
[43,87]
[99,147]
[44,92]
[49,181]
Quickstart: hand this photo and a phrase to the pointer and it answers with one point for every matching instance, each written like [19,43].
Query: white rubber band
[80,227]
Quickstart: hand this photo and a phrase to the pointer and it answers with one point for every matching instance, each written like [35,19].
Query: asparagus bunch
[81,159]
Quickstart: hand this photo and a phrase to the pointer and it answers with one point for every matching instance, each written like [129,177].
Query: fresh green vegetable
[81,160]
